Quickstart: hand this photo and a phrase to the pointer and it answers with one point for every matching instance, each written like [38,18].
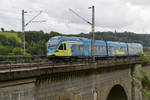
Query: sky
[110,15]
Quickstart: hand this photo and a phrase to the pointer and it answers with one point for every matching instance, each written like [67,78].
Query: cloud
[132,15]
[139,2]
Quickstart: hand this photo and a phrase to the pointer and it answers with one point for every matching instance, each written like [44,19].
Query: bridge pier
[136,94]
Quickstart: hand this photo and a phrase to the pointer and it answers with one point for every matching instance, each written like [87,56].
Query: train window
[61,47]
[121,48]
[64,46]
[96,48]
[89,48]
[104,48]
[101,48]
[111,49]
[51,46]
[81,48]
[76,47]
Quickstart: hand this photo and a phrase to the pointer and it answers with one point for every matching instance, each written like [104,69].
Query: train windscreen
[52,45]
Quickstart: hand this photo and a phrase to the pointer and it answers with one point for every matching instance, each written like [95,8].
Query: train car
[74,46]
[134,48]
[81,47]
[117,48]
[84,48]
[58,46]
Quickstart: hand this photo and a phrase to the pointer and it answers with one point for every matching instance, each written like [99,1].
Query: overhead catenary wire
[80,16]
[24,25]
[92,29]
[33,18]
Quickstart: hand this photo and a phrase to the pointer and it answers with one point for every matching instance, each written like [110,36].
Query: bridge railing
[16,63]
[22,59]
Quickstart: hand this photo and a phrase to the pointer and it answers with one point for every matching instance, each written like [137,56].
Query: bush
[17,51]
[142,82]
[38,48]
[5,50]
[10,39]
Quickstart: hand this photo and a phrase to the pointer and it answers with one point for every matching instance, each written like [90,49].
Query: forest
[11,41]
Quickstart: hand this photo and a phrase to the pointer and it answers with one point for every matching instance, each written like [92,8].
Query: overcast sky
[122,15]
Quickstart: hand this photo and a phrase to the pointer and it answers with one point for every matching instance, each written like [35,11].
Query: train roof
[88,41]
[97,42]
[67,38]
[134,45]
[119,44]
[81,39]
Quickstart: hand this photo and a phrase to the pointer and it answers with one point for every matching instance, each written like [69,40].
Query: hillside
[10,42]
[144,39]
[10,39]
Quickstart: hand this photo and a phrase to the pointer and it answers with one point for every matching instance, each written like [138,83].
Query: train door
[61,50]
[86,50]
[64,50]
[67,49]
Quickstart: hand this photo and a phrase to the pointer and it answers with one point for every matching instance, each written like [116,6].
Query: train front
[52,46]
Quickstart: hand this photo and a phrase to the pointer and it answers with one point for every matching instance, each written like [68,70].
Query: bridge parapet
[26,70]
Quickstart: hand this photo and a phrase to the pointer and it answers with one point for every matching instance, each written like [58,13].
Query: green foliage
[146,58]
[9,39]
[5,50]
[34,36]
[3,39]
[11,54]
[146,49]
[52,33]
[27,54]
[17,51]
[13,39]
[38,48]
[144,39]
[142,82]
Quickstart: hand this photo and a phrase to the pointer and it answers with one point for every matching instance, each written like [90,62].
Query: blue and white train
[81,47]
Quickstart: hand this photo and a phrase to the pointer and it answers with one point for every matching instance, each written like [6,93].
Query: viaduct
[106,79]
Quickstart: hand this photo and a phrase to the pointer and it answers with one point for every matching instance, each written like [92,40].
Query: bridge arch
[117,92]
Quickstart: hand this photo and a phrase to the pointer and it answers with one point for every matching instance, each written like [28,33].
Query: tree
[3,40]
[17,51]
[34,36]
[10,39]
[5,50]
[52,33]
[38,48]
[2,29]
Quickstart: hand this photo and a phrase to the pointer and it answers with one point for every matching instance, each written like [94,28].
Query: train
[61,46]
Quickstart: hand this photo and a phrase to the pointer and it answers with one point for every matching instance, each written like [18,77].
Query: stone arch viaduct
[108,79]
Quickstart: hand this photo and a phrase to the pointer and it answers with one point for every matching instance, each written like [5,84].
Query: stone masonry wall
[79,85]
